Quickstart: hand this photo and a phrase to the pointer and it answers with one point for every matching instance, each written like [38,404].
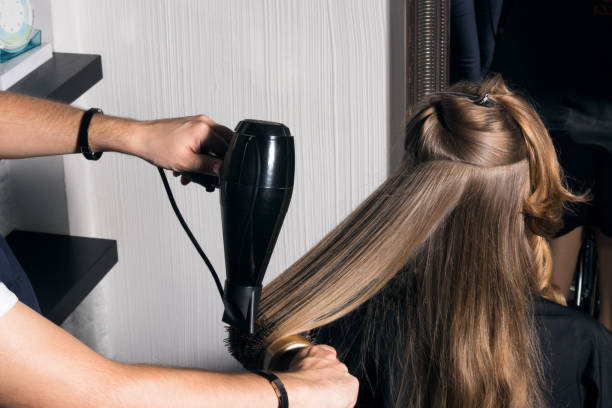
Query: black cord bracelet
[277,384]
[83,137]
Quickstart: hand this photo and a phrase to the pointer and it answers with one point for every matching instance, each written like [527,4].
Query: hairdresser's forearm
[38,127]
[43,366]
[146,386]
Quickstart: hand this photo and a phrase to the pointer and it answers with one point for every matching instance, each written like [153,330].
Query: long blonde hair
[458,235]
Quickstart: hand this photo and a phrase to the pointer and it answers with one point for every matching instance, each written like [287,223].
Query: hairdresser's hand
[178,144]
[317,379]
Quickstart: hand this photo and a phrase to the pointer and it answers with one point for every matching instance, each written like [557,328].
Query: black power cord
[188,231]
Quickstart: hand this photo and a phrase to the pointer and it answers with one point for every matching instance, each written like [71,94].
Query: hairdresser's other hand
[317,379]
[178,144]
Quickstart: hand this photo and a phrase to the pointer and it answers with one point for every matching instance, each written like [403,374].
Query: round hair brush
[251,352]
[279,353]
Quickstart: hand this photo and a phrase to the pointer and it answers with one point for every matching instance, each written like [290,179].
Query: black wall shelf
[62,269]
[63,78]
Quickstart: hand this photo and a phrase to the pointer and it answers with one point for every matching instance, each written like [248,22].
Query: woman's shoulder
[556,316]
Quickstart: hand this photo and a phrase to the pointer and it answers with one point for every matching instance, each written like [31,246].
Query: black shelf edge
[63,269]
[63,78]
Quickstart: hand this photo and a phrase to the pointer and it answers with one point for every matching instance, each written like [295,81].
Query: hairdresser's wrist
[112,134]
[266,394]
[136,138]
[137,143]
[297,390]
[307,394]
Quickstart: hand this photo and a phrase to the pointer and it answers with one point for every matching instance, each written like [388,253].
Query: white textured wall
[319,66]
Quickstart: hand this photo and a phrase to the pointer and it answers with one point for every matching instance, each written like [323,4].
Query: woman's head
[454,126]
[458,234]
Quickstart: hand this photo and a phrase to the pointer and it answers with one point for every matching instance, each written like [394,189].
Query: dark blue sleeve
[488,13]
[14,278]
[465,49]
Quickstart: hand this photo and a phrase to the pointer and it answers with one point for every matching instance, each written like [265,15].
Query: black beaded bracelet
[277,384]
[83,137]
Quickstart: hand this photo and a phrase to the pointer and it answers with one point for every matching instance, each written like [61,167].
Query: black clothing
[472,40]
[464,47]
[556,48]
[577,351]
[587,167]
[14,278]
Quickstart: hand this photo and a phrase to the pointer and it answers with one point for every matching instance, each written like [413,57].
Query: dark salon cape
[577,351]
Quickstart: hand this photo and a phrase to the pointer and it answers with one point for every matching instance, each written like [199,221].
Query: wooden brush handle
[280,352]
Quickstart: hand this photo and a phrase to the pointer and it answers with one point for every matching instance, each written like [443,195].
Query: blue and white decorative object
[16,32]
[15,24]
[21,51]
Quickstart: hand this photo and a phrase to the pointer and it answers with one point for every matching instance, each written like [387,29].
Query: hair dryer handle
[208,182]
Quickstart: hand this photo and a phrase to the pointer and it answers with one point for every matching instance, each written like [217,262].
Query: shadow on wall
[7,208]
[34,195]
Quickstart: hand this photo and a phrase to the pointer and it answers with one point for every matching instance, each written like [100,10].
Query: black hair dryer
[256,185]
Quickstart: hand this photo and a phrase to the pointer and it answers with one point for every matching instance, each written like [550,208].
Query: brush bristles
[248,349]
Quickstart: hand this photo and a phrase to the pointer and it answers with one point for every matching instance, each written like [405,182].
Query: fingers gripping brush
[256,185]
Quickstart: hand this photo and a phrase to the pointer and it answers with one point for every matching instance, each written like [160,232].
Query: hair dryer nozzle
[241,306]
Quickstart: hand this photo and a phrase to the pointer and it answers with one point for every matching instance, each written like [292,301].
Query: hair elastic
[484,101]
[477,99]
